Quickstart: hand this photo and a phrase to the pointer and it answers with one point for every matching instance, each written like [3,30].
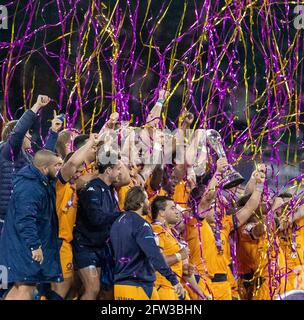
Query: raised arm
[209,194]
[111,124]
[154,116]
[50,142]
[79,157]
[251,183]
[13,145]
[252,204]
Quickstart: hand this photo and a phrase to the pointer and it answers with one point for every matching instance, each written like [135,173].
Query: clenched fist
[42,101]
[37,255]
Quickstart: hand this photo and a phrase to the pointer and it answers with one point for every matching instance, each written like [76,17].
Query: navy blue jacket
[137,256]
[97,210]
[13,158]
[31,222]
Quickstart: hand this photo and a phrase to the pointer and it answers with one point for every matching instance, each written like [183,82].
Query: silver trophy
[231,178]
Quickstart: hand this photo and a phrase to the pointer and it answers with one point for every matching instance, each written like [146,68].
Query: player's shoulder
[157,228]
[140,222]
[95,185]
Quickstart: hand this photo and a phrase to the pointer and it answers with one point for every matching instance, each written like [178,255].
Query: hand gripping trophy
[231,178]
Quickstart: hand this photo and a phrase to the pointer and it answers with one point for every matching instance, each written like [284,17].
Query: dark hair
[159,203]
[80,141]
[135,197]
[68,157]
[243,200]
[285,195]
[8,128]
[195,197]
[107,160]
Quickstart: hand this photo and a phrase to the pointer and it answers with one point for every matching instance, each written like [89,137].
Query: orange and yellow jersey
[222,254]
[269,256]
[270,269]
[169,245]
[89,168]
[121,193]
[228,289]
[66,208]
[227,228]
[198,234]
[127,292]
[225,232]
[148,218]
[246,250]
[203,251]
[181,194]
[292,243]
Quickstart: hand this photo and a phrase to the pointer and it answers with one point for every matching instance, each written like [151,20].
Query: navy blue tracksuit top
[137,256]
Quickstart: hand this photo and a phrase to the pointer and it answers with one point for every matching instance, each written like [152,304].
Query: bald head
[43,158]
[47,162]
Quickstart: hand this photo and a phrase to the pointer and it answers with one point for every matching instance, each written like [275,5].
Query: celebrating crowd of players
[76,225]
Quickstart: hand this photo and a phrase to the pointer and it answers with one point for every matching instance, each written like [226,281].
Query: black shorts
[85,256]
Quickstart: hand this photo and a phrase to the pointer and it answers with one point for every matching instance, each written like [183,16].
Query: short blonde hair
[8,128]
[64,137]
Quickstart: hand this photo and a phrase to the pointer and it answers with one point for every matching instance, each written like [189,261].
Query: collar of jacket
[102,183]
[31,172]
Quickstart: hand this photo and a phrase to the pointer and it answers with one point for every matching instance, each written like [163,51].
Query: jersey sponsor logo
[69,266]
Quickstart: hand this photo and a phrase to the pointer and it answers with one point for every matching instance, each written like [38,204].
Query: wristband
[161,101]
[178,256]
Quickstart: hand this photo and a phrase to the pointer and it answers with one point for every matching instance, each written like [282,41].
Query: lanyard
[181,245]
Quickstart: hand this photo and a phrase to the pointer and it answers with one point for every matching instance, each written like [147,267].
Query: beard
[51,177]
[115,180]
